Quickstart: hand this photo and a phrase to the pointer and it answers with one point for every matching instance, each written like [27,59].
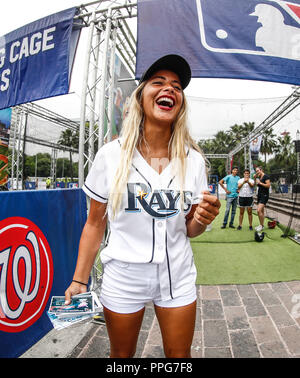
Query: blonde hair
[132,131]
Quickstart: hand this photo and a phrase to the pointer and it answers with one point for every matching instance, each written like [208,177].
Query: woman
[151,186]
[263,183]
[245,198]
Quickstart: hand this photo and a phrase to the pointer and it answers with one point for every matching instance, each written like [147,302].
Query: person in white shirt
[245,199]
[151,185]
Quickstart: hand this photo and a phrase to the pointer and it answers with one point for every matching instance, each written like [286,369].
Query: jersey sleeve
[200,180]
[95,185]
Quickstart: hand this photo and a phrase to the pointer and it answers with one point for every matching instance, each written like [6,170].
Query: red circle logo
[26,274]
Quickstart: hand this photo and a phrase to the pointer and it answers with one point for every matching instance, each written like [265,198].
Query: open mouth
[165,103]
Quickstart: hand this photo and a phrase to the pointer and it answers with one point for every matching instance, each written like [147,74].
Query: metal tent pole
[288,105]
[53,168]
[112,85]
[250,160]
[92,118]
[84,103]
[14,127]
[103,79]
[113,35]
[19,154]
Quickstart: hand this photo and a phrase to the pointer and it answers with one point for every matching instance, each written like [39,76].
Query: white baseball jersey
[150,226]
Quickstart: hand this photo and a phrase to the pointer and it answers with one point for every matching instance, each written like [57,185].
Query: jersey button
[159,224]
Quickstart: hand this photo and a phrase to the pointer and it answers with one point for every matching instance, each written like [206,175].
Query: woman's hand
[74,289]
[202,215]
[89,245]
[207,209]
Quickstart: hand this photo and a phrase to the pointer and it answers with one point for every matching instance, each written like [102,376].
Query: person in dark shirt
[263,183]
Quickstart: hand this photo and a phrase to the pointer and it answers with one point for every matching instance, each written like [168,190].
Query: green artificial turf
[229,256]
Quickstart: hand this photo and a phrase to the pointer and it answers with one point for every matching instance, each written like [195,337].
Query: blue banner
[243,39]
[36,60]
[39,238]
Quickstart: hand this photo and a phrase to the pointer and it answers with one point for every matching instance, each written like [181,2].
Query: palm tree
[223,142]
[268,143]
[236,133]
[285,153]
[240,132]
[248,127]
[70,139]
[207,145]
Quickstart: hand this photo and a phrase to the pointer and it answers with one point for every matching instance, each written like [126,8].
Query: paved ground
[233,321]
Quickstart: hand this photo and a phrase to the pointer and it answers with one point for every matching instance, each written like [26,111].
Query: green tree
[224,142]
[70,138]
[221,144]
[29,166]
[240,132]
[63,167]
[285,153]
[44,165]
[268,143]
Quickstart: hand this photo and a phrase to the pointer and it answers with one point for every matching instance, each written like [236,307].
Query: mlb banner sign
[39,238]
[243,39]
[36,60]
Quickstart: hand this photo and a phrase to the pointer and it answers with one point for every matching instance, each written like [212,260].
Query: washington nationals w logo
[26,273]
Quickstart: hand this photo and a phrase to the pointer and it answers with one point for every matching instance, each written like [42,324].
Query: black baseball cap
[174,63]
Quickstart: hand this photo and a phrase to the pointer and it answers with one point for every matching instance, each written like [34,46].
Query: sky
[214,103]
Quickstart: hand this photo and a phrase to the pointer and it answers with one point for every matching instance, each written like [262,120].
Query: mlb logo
[266,28]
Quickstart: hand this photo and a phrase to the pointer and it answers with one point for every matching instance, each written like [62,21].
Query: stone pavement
[233,321]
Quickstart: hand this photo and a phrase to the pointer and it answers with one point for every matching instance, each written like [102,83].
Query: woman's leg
[177,326]
[261,213]
[123,331]
[242,210]
[249,209]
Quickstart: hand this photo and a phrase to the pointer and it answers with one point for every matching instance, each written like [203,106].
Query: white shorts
[127,287]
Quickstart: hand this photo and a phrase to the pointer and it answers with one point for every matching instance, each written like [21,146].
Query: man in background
[231,190]
[48,183]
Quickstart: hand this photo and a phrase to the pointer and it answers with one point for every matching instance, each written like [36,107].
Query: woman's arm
[241,184]
[267,184]
[89,245]
[202,215]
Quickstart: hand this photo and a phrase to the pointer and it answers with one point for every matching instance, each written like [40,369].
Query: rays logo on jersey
[162,203]
[267,28]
